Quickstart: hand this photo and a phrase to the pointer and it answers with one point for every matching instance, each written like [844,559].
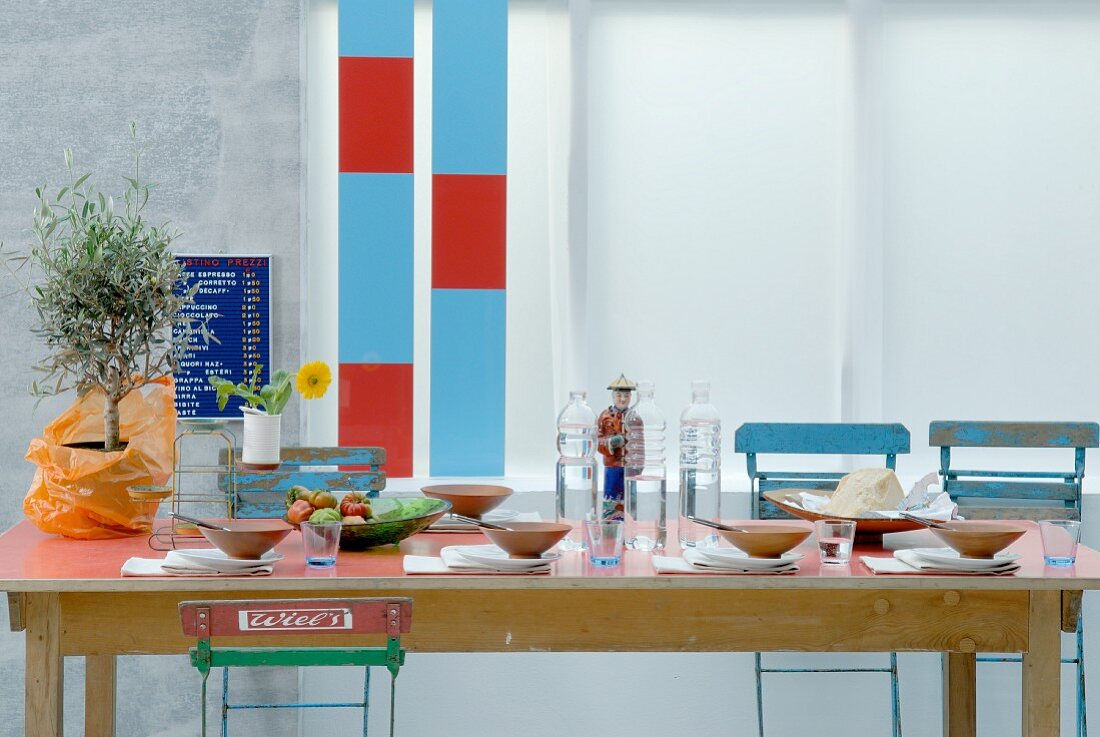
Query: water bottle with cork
[646,489]
[576,473]
[700,468]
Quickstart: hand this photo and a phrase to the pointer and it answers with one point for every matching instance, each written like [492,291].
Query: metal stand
[179,534]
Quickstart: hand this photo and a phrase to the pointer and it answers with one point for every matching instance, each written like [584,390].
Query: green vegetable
[326,515]
[405,510]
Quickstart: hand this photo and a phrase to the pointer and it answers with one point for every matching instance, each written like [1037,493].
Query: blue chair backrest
[829,438]
[992,494]
[262,494]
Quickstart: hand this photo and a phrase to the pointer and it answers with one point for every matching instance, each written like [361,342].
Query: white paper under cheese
[865,490]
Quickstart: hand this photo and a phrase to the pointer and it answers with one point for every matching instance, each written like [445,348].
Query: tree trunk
[110,412]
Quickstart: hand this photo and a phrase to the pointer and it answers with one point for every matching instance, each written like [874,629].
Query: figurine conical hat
[622,384]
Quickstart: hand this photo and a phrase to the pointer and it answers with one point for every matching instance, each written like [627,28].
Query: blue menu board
[235,297]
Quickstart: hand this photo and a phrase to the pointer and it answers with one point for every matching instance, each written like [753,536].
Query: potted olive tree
[111,305]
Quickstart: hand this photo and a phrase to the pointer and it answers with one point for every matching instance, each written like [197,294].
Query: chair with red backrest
[296,617]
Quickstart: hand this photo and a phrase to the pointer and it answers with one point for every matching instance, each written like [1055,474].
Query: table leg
[1041,670]
[45,666]
[959,695]
[99,696]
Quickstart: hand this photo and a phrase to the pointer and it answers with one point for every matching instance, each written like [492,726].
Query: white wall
[866,210]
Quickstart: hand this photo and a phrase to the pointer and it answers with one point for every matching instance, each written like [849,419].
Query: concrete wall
[215,90]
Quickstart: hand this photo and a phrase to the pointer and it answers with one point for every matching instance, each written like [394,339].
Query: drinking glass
[605,541]
[834,540]
[1060,538]
[321,540]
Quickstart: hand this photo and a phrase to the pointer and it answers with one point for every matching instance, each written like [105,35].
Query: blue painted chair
[1034,495]
[262,494]
[752,439]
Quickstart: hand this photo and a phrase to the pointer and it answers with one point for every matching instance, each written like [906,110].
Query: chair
[262,494]
[1033,495]
[886,440]
[295,617]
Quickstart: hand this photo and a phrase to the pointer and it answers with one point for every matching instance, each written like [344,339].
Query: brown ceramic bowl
[767,539]
[868,529]
[470,500]
[247,539]
[528,539]
[979,538]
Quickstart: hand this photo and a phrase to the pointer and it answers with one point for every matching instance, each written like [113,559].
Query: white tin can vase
[262,438]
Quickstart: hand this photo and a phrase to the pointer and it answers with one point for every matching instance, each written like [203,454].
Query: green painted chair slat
[1000,489]
[964,434]
[824,438]
[332,456]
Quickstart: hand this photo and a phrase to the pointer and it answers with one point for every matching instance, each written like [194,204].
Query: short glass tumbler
[1060,538]
[321,540]
[605,541]
[834,540]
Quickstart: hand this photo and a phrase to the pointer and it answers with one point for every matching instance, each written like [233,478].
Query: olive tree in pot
[108,292]
[111,305]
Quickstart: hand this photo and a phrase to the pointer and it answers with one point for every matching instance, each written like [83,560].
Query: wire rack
[192,495]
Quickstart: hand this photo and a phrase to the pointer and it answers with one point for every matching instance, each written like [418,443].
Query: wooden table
[71,600]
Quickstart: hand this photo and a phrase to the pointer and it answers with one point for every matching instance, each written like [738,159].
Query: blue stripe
[467,405]
[376,27]
[470,86]
[376,268]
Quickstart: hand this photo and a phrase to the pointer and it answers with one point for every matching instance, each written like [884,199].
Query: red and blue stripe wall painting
[469,182]
[376,228]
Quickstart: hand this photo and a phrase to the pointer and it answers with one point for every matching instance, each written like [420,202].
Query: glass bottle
[576,494]
[700,468]
[646,486]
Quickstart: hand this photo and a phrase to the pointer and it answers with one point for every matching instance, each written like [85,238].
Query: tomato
[354,509]
[323,499]
[354,521]
[299,511]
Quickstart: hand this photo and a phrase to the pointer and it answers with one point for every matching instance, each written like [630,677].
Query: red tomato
[299,511]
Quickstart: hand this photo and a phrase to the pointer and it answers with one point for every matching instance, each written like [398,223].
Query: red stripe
[469,224]
[376,408]
[376,115]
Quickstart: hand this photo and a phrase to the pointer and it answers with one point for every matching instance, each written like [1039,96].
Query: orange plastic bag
[81,493]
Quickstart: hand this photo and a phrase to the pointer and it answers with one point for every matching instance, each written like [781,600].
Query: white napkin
[446,524]
[693,562]
[173,565]
[934,505]
[906,561]
[452,561]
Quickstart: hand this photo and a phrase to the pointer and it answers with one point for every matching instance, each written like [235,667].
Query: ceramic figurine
[612,446]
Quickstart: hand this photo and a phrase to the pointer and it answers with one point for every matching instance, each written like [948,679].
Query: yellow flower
[313,380]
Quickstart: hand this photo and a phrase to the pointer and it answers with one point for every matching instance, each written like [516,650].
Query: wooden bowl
[868,529]
[528,539]
[247,539]
[470,500]
[979,538]
[767,539]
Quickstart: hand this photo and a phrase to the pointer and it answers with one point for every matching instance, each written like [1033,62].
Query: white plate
[499,515]
[219,561]
[493,556]
[951,558]
[740,559]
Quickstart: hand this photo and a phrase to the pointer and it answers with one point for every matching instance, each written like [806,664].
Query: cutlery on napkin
[447,524]
[907,561]
[694,562]
[173,565]
[450,560]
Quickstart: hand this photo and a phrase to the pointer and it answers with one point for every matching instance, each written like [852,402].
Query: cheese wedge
[865,490]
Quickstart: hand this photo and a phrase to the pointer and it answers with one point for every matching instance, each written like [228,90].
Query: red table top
[33,561]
